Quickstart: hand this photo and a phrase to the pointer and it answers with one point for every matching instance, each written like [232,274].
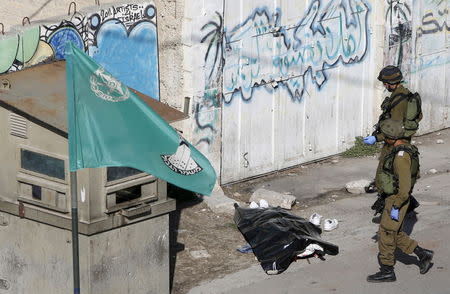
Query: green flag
[109,125]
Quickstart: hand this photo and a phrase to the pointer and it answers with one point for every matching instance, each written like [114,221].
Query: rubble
[199,254]
[218,202]
[273,198]
[357,187]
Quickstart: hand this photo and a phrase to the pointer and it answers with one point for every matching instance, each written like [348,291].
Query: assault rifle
[378,205]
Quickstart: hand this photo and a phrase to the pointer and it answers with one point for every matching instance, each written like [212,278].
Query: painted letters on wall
[330,33]
[122,38]
[262,52]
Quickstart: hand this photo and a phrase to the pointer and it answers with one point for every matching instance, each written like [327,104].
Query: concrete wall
[201,68]
[120,37]
[37,258]
[417,40]
[270,89]
[245,82]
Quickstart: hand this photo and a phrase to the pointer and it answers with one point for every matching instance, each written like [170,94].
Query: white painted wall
[418,40]
[265,124]
[274,128]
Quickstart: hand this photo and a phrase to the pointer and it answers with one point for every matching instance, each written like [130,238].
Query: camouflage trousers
[391,236]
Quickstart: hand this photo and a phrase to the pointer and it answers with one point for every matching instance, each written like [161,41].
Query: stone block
[273,198]
[357,187]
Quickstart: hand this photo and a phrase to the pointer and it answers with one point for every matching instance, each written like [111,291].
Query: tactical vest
[388,179]
[413,113]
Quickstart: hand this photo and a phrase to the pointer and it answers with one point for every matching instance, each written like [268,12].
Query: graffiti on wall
[261,53]
[431,35]
[125,43]
[43,43]
[122,38]
[434,22]
[206,108]
[399,32]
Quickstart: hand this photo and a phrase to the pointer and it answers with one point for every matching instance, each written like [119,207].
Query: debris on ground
[440,141]
[273,198]
[357,187]
[432,171]
[245,249]
[199,254]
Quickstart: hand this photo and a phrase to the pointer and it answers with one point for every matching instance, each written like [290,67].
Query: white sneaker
[330,224]
[315,219]
[263,203]
[253,204]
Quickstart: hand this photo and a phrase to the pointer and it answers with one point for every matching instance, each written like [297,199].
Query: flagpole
[75,243]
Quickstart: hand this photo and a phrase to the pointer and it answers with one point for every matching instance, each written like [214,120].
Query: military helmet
[391,75]
[392,129]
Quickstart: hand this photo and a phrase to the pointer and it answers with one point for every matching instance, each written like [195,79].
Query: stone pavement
[346,272]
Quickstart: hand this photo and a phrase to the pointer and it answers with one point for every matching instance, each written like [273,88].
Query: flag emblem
[136,137]
[181,161]
[107,87]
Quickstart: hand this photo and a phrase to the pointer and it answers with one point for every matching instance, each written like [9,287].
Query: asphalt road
[347,272]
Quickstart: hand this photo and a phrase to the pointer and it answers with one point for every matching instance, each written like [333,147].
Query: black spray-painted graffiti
[125,41]
[431,25]
[206,109]
[430,36]
[214,53]
[398,16]
[261,52]
[128,13]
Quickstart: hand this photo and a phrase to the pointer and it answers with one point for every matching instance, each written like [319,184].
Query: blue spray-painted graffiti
[61,37]
[206,109]
[122,38]
[261,52]
[131,56]
[126,45]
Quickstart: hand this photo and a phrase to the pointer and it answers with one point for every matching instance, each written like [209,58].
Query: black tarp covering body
[277,236]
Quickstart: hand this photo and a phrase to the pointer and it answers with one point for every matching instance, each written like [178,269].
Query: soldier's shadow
[408,226]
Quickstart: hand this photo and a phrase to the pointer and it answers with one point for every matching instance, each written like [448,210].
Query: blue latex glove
[370,140]
[394,213]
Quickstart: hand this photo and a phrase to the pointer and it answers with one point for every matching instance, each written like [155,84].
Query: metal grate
[18,126]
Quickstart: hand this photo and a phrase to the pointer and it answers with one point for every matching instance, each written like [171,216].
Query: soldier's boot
[371,188]
[425,256]
[386,274]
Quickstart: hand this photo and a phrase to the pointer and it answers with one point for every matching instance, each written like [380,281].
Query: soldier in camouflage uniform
[399,170]
[394,106]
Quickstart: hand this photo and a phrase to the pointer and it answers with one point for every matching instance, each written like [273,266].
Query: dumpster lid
[38,93]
